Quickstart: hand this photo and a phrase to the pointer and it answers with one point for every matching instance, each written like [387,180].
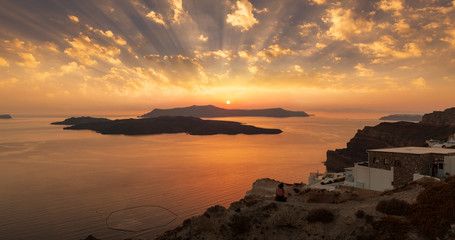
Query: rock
[265,188]
[90,237]
[189,125]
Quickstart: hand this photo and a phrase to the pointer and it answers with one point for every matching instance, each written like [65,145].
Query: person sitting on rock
[279,195]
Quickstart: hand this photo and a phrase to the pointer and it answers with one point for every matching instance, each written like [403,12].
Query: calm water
[57,184]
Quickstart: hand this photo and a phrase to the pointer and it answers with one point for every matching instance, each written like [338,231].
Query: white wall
[373,178]
[361,176]
[449,165]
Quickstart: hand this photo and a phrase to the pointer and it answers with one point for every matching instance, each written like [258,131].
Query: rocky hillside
[440,118]
[436,125]
[319,214]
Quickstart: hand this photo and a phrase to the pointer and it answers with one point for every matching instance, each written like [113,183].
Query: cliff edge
[347,213]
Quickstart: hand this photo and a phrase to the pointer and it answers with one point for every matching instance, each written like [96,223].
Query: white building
[392,167]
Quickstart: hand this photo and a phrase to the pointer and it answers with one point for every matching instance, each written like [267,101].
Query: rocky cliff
[440,118]
[436,125]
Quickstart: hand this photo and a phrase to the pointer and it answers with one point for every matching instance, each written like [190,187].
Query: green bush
[393,207]
[434,209]
[320,215]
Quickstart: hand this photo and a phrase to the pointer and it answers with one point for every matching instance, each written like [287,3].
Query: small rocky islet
[5,116]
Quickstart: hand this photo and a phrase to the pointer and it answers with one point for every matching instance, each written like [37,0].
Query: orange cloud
[274,51]
[362,71]
[3,62]
[119,40]
[158,18]
[386,47]
[344,25]
[28,60]
[391,5]
[85,50]
[419,82]
[242,16]
[203,38]
[73,18]
[179,13]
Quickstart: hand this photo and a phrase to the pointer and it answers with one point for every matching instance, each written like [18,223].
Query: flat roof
[415,150]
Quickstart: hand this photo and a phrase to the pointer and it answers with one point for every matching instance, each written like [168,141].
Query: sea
[67,184]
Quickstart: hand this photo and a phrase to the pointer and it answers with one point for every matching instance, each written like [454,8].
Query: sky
[118,56]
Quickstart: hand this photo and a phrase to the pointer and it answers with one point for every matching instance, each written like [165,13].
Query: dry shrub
[393,207]
[240,224]
[320,215]
[391,228]
[360,214]
[434,210]
[369,218]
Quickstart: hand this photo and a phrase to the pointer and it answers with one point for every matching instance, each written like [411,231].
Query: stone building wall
[404,165]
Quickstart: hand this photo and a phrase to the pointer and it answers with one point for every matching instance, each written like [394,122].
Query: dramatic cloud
[179,14]
[158,18]
[203,38]
[197,52]
[242,16]
[73,18]
[344,25]
[391,5]
[86,51]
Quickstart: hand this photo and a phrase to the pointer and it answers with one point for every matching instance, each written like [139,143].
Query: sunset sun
[228,102]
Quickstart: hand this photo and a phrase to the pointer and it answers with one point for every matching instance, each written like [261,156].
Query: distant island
[166,124]
[5,116]
[402,117]
[211,111]
[79,120]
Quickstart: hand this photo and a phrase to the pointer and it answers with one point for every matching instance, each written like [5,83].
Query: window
[386,161]
[375,160]
[441,165]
